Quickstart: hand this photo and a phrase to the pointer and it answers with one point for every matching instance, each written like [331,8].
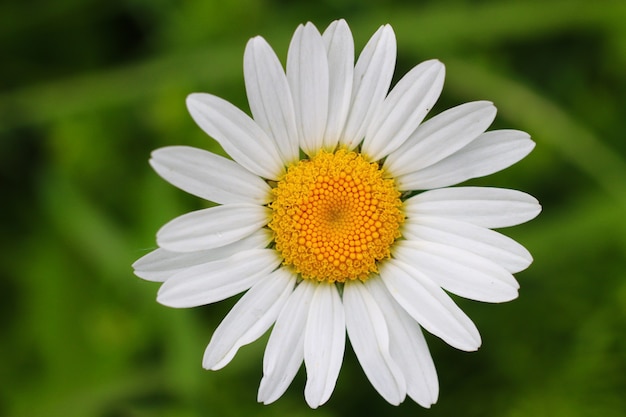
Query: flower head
[333,218]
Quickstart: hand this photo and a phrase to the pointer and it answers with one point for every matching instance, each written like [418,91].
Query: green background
[89,88]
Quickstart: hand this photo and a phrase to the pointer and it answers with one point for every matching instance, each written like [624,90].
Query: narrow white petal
[407,347]
[209,176]
[160,264]
[441,136]
[482,206]
[218,280]
[404,109]
[459,271]
[270,97]
[429,305]
[481,241]
[324,344]
[340,49]
[372,78]
[490,152]
[212,227]
[238,134]
[285,348]
[307,73]
[253,314]
[369,337]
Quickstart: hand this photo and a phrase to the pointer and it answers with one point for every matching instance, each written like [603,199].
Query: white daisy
[332,218]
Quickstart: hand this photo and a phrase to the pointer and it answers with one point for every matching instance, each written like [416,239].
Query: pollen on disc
[335,216]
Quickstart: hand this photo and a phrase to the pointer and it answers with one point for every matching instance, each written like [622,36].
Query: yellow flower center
[335,216]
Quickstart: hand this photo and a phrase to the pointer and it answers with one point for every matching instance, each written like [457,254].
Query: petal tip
[163,297]
[194,98]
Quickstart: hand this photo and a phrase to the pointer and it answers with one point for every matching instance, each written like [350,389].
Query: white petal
[459,271]
[482,206]
[238,134]
[429,305]
[160,264]
[372,78]
[324,344]
[218,280]
[441,136]
[209,176]
[285,348]
[407,346]
[404,109]
[270,97]
[307,73]
[253,314]
[340,49]
[481,241]
[212,227]
[490,152]
[369,337]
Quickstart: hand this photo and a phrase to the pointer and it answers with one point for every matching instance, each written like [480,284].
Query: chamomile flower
[334,216]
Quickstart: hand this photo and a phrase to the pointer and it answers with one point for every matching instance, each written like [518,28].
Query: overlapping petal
[407,346]
[482,206]
[238,134]
[340,48]
[285,348]
[429,305]
[481,241]
[369,337]
[459,271]
[308,76]
[209,176]
[215,281]
[440,137]
[404,109]
[324,343]
[372,77]
[212,227]
[270,97]
[253,314]
[161,264]
[490,152]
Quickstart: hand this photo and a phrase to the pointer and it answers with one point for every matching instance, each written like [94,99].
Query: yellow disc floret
[335,216]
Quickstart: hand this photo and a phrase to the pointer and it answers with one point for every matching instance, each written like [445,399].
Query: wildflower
[333,216]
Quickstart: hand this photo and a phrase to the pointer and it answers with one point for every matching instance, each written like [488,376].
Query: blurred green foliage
[88,88]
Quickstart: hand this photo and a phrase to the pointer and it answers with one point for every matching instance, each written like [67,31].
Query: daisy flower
[334,218]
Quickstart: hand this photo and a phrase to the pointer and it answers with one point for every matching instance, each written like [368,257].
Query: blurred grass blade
[547,123]
[117,87]
[434,30]
[440,27]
